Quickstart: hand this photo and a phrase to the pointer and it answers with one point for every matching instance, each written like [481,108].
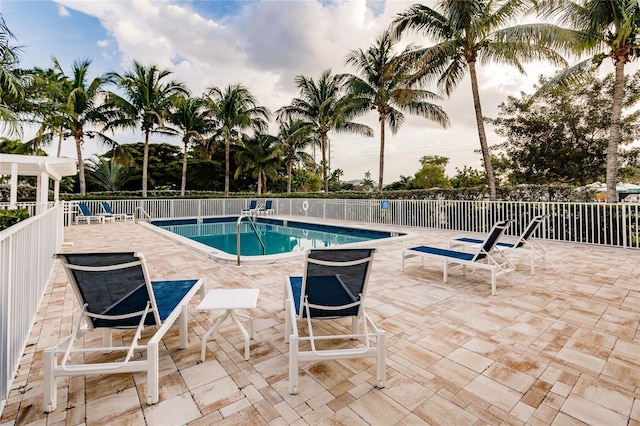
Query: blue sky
[262,45]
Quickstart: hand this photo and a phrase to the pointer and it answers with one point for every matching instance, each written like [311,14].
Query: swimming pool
[218,235]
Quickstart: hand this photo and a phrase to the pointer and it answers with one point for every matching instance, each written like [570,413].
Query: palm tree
[386,85]
[262,156]
[147,100]
[325,105]
[108,173]
[468,31]
[295,136]
[11,83]
[190,119]
[603,29]
[74,105]
[236,110]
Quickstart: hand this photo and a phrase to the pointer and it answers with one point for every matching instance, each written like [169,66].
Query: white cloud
[62,11]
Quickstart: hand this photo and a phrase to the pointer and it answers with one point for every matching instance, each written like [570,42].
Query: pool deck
[561,347]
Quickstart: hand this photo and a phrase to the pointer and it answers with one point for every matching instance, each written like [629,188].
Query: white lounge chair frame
[82,216]
[487,257]
[106,207]
[55,367]
[525,244]
[370,332]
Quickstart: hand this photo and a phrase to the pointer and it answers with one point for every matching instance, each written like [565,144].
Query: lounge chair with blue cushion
[525,243]
[332,287]
[252,209]
[115,292]
[487,256]
[267,208]
[118,216]
[85,214]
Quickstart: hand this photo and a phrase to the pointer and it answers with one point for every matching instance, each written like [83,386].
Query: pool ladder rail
[255,231]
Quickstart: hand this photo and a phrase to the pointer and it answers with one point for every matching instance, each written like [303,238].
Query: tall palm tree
[190,121]
[45,95]
[147,100]
[603,29]
[75,104]
[325,105]
[295,136]
[236,110]
[468,31]
[386,84]
[262,156]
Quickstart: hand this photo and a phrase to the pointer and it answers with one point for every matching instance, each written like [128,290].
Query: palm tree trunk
[484,147]
[259,183]
[227,149]
[83,185]
[289,167]
[183,187]
[325,177]
[381,173]
[145,163]
[614,135]
[59,143]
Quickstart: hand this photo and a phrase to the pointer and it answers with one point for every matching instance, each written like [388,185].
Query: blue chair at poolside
[487,256]
[88,216]
[267,208]
[253,207]
[115,292]
[333,286]
[524,244]
[118,216]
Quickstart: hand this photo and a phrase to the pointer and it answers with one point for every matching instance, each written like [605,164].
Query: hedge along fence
[531,193]
[11,217]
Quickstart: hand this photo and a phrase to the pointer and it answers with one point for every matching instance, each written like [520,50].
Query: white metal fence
[26,258]
[616,225]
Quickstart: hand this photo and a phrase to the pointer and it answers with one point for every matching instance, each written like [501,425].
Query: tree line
[390,82]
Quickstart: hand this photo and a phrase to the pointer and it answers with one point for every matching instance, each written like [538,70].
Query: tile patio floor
[560,347]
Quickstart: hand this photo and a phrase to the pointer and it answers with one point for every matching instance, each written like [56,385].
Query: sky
[263,45]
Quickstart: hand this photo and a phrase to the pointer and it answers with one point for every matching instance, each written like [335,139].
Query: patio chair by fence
[487,256]
[86,215]
[525,243]
[253,207]
[118,216]
[333,286]
[114,292]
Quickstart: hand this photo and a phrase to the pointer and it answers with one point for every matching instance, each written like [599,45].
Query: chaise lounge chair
[88,216]
[114,292]
[333,286]
[252,209]
[267,208]
[487,256]
[118,216]
[524,244]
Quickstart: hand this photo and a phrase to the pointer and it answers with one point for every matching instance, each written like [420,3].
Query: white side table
[229,300]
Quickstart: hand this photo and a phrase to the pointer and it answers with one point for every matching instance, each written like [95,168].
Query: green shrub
[11,217]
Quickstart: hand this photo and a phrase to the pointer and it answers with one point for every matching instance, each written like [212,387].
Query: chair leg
[381,361]
[153,392]
[107,340]
[287,321]
[293,365]
[182,322]
[445,272]
[355,326]
[50,399]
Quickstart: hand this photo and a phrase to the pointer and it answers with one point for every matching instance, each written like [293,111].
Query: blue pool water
[279,236]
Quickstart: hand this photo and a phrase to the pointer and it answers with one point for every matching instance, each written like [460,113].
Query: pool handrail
[253,226]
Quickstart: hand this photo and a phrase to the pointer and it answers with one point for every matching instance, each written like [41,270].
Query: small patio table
[229,300]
